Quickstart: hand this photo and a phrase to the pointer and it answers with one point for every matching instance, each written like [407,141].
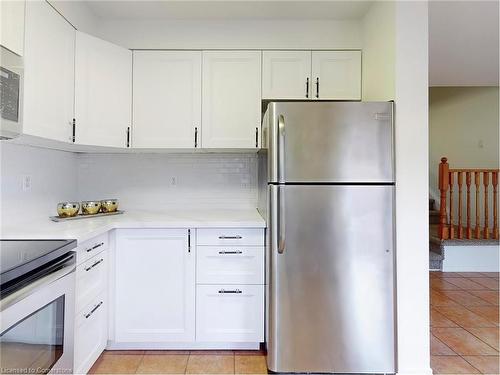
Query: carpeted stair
[435,249]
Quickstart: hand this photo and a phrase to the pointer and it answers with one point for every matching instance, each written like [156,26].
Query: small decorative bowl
[90,207]
[109,205]
[68,209]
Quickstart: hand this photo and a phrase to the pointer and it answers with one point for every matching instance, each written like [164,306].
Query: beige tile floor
[464,323]
[180,362]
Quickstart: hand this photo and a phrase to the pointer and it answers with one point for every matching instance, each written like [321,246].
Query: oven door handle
[60,269]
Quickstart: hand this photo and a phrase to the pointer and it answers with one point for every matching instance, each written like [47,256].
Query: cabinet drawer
[230,313]
[230,265]
[91,247]
[91,279]
[90,334]
[230,236]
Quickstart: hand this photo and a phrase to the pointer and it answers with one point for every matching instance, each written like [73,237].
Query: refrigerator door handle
[281,148]
[281,220]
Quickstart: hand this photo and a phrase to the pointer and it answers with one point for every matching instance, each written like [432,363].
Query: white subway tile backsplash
[53,177]
[156,181]
[139,181]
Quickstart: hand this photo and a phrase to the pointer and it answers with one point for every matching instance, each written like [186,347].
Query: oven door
[37,324]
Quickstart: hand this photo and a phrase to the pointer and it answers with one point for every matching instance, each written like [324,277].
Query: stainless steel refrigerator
[328,194]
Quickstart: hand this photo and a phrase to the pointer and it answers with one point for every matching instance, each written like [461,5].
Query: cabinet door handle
[230,252]
[189,240]
[73,136]
[230,237]
[94,264]
[317,87]
[93,310]
[256,137]
[128,136]
[307,87]
[195,137]
[233,291]
[95,247]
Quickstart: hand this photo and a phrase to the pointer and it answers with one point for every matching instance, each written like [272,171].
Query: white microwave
[11,94]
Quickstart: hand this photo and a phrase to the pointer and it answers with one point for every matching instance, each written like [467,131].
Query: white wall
[227,34]
[412,176]
[463,126]
[53,178]
[378,32]
[145,181]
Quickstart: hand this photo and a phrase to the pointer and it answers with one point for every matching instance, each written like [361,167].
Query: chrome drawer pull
[231,252]
[235,291]
[95,247]
[93,310]
[95,264]
[230,237]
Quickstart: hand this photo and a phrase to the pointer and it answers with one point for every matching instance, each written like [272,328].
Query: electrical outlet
[26,183]
[173,181]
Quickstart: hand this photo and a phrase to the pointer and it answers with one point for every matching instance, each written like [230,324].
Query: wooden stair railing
[453,228]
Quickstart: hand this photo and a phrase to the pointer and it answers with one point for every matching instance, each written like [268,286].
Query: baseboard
[183,346]
[471,258]
[427,371]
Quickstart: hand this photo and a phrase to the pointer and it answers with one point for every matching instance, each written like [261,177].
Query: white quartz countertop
[87,228]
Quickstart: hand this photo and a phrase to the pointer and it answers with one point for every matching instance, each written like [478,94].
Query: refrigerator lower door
[331,281]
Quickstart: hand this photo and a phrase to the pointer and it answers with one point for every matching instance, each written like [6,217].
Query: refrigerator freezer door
[331,281]
[329,142]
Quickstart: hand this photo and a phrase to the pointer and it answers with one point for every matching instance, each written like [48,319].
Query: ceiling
[463,43]
[234,9]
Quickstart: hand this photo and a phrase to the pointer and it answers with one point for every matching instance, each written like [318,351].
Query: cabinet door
[166,99]
[91,334]
[230,313]
[154,286]
[49,68]
[103,92]
[336,75]
[12,25]
[286,74]
[231,104]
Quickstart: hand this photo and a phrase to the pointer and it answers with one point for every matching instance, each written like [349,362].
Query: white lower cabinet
[91,303]
[170,292]
[154,286]
[230,313]
[230,265]
[91,334]
[230,285]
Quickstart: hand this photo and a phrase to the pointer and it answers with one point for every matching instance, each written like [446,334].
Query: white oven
[37,319]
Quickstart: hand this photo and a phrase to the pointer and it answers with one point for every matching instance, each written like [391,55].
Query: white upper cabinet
[231,104]
[154,286]
[167,99]
[12,25]
[336,75]
[103,92]
[286,74]
[49,68]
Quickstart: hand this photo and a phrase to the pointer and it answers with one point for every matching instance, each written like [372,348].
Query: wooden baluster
[494,181]
[460,228]
[468,181]
[443,188]
[452,228]
[477,231]
[486,181]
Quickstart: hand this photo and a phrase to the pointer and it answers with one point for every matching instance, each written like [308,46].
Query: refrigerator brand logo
[382,116]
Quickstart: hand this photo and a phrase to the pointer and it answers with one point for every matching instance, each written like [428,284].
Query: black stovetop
[18,257]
